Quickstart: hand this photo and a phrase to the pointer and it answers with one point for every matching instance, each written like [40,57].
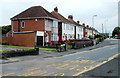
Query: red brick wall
[4,39]
[23,39]
[30,25]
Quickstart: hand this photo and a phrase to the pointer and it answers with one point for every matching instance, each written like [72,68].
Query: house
[34,27]
[38,27]
[78,29]
[65,27]
[89,31]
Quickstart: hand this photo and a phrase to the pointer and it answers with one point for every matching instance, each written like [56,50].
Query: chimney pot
[84,24]
[78,22]
[87,25]
[70,17]
[56,9]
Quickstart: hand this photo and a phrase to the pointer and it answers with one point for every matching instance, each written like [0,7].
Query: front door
[39,40]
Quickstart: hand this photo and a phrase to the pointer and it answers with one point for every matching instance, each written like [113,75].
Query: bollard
[66,46]
[37,50]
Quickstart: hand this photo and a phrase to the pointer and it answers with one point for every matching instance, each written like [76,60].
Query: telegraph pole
[102,29]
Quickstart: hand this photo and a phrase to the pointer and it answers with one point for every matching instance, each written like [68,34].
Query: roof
[60,17]
[34,12]
[75,23]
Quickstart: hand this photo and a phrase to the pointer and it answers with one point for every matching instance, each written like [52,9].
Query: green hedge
[5,43]
[8,54]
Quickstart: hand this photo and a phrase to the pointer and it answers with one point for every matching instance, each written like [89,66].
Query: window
[55,24]
[23,24]
[54,37]
[48,23]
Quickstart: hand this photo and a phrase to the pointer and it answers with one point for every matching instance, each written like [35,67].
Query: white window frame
[22,24]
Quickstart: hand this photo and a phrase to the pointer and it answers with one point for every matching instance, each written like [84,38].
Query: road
[68,65]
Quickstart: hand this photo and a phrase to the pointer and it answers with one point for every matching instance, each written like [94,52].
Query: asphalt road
[68,65]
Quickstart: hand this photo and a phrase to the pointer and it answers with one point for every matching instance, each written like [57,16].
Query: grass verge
[4,50]
[20,47]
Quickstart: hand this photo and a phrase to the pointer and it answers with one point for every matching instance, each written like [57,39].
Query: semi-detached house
[38,27]
[66,29]
[34,27]
[78,29]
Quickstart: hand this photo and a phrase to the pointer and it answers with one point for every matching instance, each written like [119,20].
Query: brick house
[38,27]
[34,27]
[66,28]
[89,31]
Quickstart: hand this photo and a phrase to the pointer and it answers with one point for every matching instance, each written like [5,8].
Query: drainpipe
[35,38]
[18,25]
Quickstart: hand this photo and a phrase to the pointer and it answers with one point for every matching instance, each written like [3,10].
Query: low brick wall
[21,39]
[4,39]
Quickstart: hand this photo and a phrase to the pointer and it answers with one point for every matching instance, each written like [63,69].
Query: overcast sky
[82,10]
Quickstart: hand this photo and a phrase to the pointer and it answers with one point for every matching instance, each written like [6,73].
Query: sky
[82,10]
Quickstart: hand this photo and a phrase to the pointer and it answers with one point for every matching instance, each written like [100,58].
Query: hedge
[8,54]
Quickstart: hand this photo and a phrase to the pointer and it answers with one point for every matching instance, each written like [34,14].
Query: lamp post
[105,25]
[102,29]
[93,19]
[93,23]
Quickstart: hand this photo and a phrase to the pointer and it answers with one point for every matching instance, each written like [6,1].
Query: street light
[93,19]
[93,23]
[105,25]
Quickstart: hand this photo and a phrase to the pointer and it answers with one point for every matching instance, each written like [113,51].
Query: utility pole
[102,29]
[93,22]
[105,25]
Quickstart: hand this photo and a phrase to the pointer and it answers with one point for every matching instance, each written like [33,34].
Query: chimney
[70,17]
[78,22]
[88,26]
[56,9]
[83,24]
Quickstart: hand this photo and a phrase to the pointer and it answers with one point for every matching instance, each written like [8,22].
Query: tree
[116,31]
[5,29]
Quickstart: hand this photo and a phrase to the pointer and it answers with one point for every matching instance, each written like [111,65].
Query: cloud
[82,10]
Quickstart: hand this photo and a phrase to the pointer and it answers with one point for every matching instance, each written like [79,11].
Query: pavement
[52,54]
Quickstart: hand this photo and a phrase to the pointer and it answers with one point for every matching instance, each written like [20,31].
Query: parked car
[117,36]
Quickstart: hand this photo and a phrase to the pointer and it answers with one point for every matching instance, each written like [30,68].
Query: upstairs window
[23,24]
[55,24]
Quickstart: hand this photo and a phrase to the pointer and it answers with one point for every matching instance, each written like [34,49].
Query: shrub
[5,43]
[7,54]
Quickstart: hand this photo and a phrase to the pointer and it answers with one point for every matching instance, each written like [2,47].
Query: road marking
[48,74]
[34,69]
[83,57]
[74,67]
[85,68]
[113,56]
[60,67]
[50,65]
[100,48]
[8,74]
[73,54]
[30,73]
[53,65]
[112,48]
[83,51]
[95,65]
[60,74]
